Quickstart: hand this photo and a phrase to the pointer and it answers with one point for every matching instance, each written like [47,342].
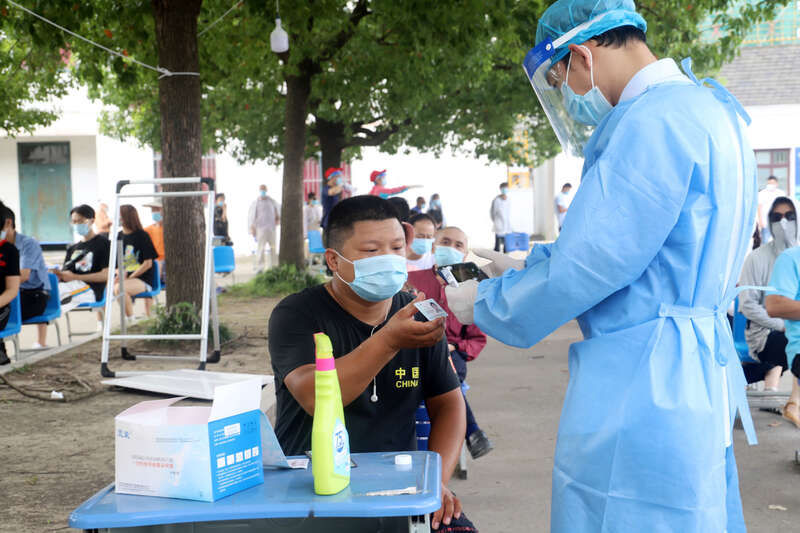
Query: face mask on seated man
[387,361]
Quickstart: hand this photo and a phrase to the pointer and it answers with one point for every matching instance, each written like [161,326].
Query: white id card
[430,309]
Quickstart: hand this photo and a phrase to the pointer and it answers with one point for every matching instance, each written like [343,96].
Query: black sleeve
[291,336]
[438,373]
[146,248]
[102,254]
[10,256]
[69,253]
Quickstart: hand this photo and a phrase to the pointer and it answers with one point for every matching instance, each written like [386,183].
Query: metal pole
[112,260]
[207,273]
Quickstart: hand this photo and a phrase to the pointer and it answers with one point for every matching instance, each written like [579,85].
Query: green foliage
[436,76]
[275,282]
[181,319]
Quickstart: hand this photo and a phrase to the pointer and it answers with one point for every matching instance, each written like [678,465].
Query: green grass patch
[276,282]
[182,319]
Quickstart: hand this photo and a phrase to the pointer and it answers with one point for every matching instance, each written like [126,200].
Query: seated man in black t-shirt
[387,361]
[9,279]
[84,274]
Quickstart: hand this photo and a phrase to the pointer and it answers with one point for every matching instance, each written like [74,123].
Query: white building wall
[774,127]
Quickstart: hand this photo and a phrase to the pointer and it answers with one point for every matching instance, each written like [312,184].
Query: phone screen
[467,271]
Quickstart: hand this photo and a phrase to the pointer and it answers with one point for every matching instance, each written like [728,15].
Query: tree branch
[377,137]
[342,38]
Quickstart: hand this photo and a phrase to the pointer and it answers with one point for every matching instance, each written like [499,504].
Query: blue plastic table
[285,502]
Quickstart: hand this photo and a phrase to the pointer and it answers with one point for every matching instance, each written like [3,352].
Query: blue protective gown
[647,261]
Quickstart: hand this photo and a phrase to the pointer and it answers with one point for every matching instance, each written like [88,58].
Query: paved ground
[517,396]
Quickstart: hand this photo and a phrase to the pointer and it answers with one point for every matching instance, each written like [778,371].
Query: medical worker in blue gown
[647,261]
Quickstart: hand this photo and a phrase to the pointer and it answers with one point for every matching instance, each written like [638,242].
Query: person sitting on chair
[9,279]
[83,276]
[387,361]
[137,259]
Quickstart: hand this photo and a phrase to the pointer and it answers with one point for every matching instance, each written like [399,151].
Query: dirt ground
[53,455]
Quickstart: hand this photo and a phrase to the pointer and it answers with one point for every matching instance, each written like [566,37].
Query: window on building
[773,163]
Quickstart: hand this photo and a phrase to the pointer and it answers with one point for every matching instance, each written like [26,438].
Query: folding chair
[53,310]
[85,306]
[315,248]
[13,326]
[224,261]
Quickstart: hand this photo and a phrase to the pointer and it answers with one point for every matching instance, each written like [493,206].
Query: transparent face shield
[547,79]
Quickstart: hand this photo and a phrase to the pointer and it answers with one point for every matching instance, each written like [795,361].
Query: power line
[237,4]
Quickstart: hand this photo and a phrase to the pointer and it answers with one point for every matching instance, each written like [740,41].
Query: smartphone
[465,272]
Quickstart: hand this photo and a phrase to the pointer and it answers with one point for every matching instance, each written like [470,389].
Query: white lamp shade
[279,39]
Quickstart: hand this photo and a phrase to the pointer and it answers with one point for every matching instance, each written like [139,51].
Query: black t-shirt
[89,257]
[137,248]
[9,262]
[410,377]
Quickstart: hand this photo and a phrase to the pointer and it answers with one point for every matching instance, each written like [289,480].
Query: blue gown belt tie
[723,352]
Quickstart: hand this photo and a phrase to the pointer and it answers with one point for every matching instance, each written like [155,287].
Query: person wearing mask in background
[221,220]
[312,214]
[464,342]
[387,361]
[766,197]
[419,254]
[435,211]
[562,201]
[401,205]
[156,233]
[648,265]
[501,218]
[84,273]
[420,207]
[263,218]
[332,190]
[138,254]
[784,302]
[102,222]
[9,278]
[378,178]
[34,289]
[765,335]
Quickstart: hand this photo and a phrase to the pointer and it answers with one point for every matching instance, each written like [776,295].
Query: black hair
[503,184]
[311,195]
[420,198]
[779,201]
[346,213]
[83,210]
[772,178]
[5,214]
[568,184]
[220,195]
[422,216]
[621,36]
[402,207]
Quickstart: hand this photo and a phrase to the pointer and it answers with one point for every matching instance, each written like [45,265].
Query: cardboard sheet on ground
[185,382]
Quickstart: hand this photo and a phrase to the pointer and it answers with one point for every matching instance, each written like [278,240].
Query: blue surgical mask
[3,235]
[315,202]
[378,277]
[262,193]
[589,108]
[156,217]
[81,229]
[339,181]
[421,246]
[447,255]
[504,190]
[436,204]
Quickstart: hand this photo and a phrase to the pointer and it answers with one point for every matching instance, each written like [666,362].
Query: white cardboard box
[195,453]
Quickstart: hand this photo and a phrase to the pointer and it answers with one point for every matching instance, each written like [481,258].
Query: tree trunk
[331,142]
[181,146]
[298,90]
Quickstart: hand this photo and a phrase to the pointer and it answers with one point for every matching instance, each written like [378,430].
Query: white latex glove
[499,262]
[461,300]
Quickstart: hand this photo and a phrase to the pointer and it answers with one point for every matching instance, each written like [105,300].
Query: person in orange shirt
[156,232]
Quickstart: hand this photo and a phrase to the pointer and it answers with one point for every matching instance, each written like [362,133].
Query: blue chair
[53,310]
[517,241]
[156,288]
[13,326]
[739,341]
[224,261]
[315,247]
[85,306]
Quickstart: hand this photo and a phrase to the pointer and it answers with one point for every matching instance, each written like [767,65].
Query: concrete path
[517,397]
